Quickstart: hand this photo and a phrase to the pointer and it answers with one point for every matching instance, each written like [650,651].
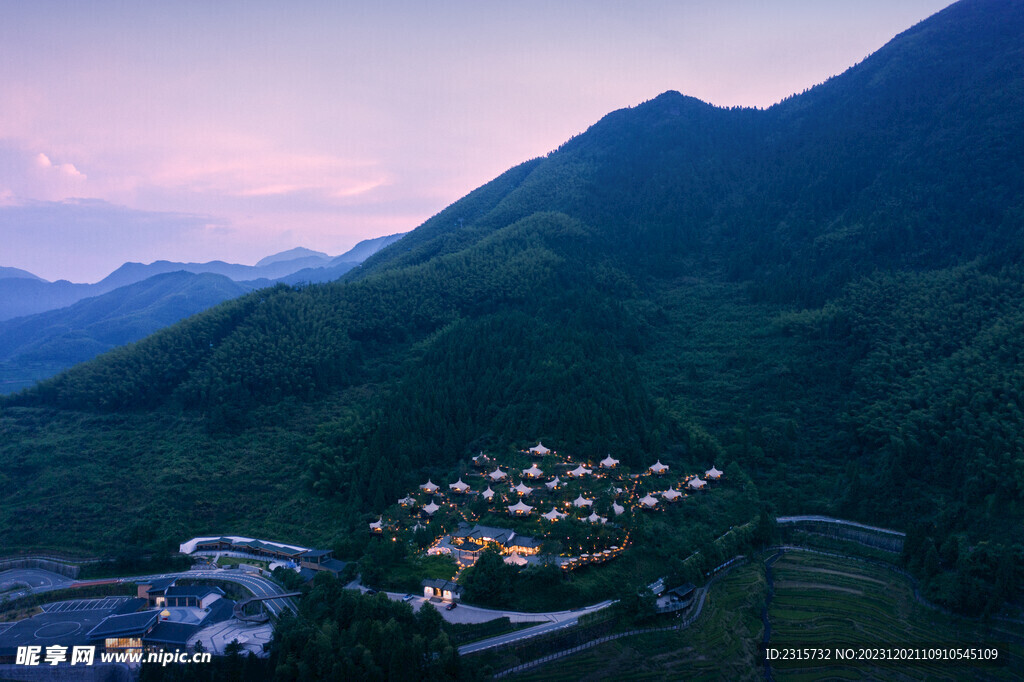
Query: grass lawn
[235,561]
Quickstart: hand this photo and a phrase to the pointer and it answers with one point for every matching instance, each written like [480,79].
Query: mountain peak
[292,254]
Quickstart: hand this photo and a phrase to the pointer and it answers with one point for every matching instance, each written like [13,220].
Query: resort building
[429,487]
[658,468]
[488,494]
[539,449]
[497,474]
[696,483]
[459,487]
[554,484]
[430,509]
[617,508]
[649,502]
[582,502]
[609,463]
[713,474]
[671,494]
[523,490]
[435,588]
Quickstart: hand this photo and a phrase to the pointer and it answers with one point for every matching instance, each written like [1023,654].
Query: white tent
[431,508]
[658,468]
[520,509]
[713,473]
[594,518]
[497,474]
[609,463]
[582,502]
[533,472]
[649,502]
[523,489]
[554,515]
[617,508]
[555,484]
[488,494]
[696,483]
[407,501]
[515,560]
[539,449]
[378,525]
[428,487]
[671,494]
[459,487]
[580,471]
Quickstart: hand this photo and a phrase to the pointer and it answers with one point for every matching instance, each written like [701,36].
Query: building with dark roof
[198,596]
[168,635]
[153,591]
[125,632]
[505,540]
[321,560]
[441,589]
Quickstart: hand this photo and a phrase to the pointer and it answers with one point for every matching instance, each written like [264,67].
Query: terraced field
[821,600]
[818,600]
[722,644]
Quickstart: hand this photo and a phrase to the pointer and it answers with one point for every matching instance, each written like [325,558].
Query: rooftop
[128,625]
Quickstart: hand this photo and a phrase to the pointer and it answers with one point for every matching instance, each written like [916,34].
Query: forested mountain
[828,292]
[39,346]
[34,347]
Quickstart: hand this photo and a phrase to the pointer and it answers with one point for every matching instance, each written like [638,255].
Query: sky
[195,130]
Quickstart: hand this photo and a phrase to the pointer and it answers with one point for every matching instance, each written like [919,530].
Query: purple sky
[231,130]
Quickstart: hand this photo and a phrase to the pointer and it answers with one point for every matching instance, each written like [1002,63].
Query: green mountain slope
[41,345]
[826,292]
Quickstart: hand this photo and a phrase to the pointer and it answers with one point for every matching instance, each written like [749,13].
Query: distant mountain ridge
[36,346]
[22,293]
[6,273]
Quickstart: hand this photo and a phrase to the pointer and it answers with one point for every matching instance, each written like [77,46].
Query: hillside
[38,346]
[826,292]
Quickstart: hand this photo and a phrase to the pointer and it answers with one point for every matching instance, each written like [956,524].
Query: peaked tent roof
[580,471]
[540,449]
[520,508]
[554,514]
[658,467]
[431,508]
[533,471]
[515,559]
[523,489]
[617,508]
[497,474]
[649,501]
[696,483]
[713,473]
[671,494]
[488,494]
[609,462]
[582,502]
[429,486]
[554,483]
[459,486]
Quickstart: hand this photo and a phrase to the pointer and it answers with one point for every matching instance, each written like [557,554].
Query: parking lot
[105,604]
[66,627]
